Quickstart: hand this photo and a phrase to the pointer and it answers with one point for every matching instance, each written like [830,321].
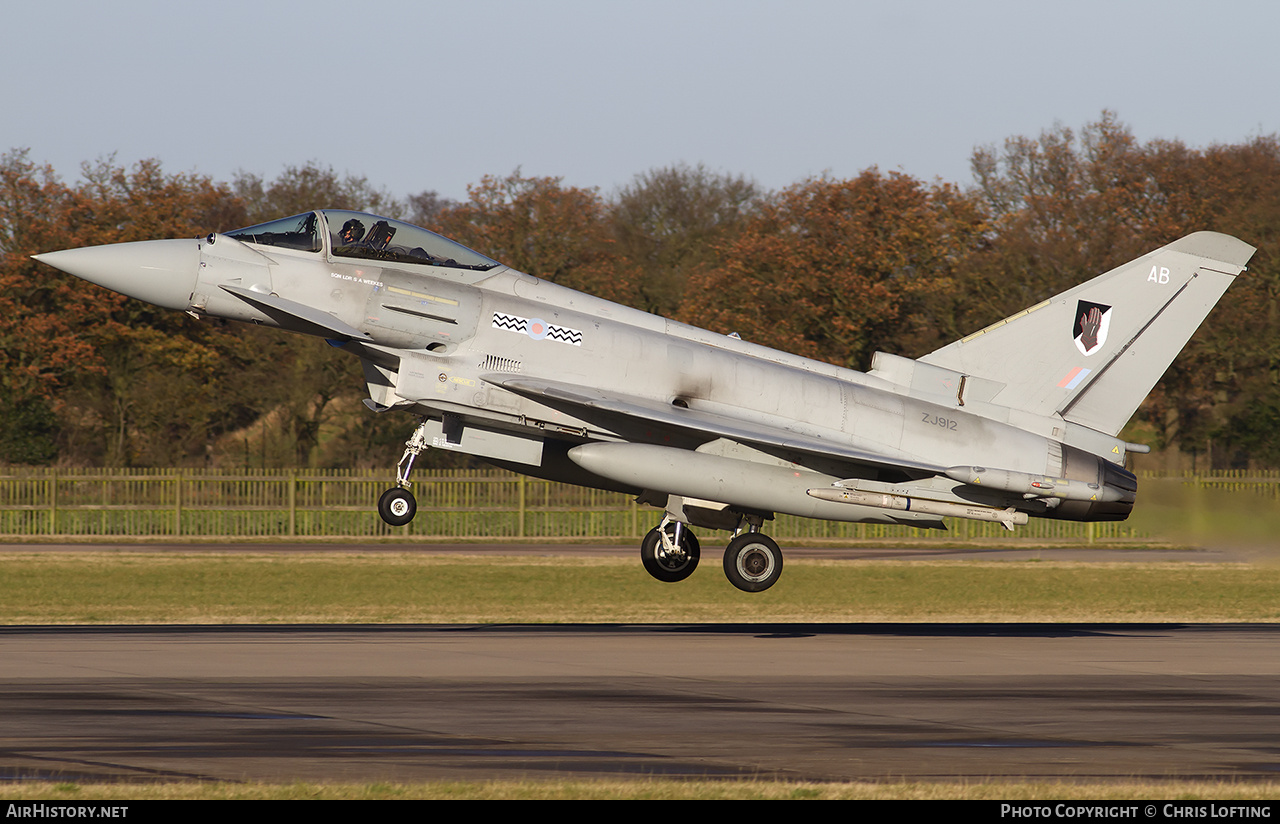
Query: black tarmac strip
[818,702]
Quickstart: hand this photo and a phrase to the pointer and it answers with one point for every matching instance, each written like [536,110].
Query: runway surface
[815,702]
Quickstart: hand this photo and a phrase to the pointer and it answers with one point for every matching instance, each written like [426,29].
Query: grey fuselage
[442,339]
[521,371]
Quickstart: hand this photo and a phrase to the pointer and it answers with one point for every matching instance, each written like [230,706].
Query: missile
[1009,517]
[1034,486]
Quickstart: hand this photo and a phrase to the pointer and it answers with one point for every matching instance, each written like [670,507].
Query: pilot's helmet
[352,231]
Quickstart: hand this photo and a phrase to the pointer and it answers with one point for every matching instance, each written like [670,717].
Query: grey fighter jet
[1015,421]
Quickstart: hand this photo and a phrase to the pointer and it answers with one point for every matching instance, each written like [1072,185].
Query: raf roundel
[537,328]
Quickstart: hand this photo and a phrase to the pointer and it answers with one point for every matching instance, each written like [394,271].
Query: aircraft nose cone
[162,272]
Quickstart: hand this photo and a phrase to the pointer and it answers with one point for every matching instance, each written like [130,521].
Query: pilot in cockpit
[352,232]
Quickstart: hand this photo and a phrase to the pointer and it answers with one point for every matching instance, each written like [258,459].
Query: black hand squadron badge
[1092,322]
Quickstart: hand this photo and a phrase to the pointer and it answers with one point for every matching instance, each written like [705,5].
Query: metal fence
[492,504]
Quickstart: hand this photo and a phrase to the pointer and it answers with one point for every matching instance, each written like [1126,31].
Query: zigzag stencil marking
[514,323]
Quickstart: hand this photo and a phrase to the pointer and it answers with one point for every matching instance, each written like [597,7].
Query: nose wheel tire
[752,562]
[397,506]
[670,566]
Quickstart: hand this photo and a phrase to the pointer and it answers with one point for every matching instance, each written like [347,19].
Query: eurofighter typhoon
[1016,421]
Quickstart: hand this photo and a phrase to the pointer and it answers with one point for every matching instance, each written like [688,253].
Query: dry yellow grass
[658,789]
[210,588]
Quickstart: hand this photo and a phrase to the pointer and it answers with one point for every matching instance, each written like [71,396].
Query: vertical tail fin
[1092,353]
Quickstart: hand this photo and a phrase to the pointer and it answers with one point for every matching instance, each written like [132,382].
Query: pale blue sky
[422,95]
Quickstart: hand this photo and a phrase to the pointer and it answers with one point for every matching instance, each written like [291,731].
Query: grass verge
[657,789]
[204,588]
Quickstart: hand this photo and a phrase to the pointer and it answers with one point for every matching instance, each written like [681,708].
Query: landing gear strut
[397,506]
[670,551]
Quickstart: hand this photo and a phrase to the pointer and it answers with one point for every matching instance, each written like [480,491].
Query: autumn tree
[40,344]
[424,208]
[310,186]
[1067,207]
[1222,394]
[673,222]
[542,227]
[834,269]
[73,349]
[90,376]
[1064,207]
[831,269]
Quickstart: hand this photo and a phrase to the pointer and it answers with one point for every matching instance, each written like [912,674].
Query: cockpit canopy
[361,235]
[297,232]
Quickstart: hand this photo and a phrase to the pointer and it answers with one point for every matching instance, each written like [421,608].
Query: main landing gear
[397,506]
[753,562]
[670,552]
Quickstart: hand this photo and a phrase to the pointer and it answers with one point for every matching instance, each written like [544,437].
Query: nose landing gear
[397,506]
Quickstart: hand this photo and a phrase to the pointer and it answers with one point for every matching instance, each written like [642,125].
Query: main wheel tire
[397,506]
[752,562]
[666,567]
